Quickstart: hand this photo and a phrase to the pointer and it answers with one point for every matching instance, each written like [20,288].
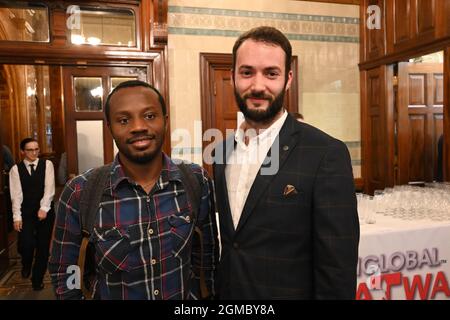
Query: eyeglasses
[32,150]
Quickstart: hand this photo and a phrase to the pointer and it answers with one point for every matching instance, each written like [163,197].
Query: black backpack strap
[90,199]
[193,187]
[91,196]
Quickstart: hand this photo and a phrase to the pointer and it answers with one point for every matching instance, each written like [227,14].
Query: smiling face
[137,124]
[31,151]
[260,80]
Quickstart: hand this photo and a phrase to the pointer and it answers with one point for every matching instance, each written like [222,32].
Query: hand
[42,215]
[18,225]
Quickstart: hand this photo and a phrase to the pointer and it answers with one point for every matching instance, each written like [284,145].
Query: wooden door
[88,140]
[377,128]
[225,106]
[420,120]
[219,108]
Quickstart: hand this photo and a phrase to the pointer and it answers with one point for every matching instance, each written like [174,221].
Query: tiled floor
[14,287]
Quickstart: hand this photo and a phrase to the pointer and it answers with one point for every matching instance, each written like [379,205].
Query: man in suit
[32,187]
[285,194]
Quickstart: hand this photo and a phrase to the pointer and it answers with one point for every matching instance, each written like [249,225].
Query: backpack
[90,199]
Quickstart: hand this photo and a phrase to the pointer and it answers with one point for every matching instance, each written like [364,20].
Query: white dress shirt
[245,161]
[16,187]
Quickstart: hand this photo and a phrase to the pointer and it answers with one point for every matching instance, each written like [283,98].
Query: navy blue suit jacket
[298,246]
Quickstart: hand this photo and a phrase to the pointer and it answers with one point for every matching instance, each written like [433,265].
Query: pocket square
[289,190]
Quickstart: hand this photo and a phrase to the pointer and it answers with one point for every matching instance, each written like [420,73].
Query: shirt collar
[265,134]
[35,162]
[169,172]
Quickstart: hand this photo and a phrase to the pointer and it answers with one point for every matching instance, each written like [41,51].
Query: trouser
[34,244]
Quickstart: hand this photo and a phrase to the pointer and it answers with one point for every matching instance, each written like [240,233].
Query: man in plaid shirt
[143,231]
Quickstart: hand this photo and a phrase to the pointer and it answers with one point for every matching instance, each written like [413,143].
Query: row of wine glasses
[406,202]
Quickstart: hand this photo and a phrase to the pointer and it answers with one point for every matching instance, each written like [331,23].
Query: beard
[260,115]
[142,157]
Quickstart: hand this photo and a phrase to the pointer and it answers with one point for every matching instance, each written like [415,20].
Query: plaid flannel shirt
[143,242]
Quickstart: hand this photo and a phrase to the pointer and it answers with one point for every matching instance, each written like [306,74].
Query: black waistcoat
[32,188]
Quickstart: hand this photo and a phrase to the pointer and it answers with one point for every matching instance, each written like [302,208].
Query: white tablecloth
[400,259]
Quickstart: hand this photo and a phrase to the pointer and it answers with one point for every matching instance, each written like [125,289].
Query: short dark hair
[25,141]
[268,35]
[134,83]
[297,115]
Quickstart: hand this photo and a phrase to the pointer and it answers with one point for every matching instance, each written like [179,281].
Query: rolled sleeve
[49,189]
[15,189]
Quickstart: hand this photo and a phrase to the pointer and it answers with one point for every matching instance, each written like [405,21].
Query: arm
[62,169]
[66,242]
[49,190]
[335,226]
[16,196]
[7,158]
[207,221]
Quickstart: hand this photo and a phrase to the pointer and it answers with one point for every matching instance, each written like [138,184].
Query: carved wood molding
[159,21]
[208,61]
[437,45]
[354,2]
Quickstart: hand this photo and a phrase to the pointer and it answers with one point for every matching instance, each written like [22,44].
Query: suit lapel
[221,157]
[287,139]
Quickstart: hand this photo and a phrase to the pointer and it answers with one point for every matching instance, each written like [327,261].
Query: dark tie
[32,168]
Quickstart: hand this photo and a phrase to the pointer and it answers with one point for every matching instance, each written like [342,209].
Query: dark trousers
[34,244]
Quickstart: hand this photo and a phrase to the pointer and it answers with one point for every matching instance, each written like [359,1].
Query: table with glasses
[404,250]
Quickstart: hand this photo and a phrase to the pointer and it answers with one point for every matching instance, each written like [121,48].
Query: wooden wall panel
[377,126]
[58,123]
[374,130]
[438,94]
[417,141]
[417,89]
[414,23]
[419,120]
[438,126]
[373,40]
[376,144]
[446,111]
[401,14]
[410,28]
[426,23]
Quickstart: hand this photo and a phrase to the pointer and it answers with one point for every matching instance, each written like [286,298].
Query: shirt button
[150,231]
[153,261]
[156,292]
[235,245]
[148,199]
[285,148]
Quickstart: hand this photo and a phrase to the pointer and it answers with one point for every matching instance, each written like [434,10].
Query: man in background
[298,116]
[32,187]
